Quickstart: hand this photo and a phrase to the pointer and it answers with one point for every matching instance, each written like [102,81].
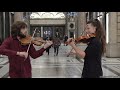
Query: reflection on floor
[62,66]
[69,67]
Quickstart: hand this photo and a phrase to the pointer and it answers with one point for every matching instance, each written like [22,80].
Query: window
[47,15]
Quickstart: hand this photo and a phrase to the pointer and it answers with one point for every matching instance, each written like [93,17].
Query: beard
[21,35]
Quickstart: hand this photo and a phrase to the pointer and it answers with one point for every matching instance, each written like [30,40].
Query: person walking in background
[56,44]
[65,39]
[48,49]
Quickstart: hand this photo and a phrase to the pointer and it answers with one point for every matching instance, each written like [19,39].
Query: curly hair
[16,27]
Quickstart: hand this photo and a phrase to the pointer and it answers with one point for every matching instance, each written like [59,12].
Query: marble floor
[62,66]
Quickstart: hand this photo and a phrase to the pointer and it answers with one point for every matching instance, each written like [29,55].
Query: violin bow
[31,41]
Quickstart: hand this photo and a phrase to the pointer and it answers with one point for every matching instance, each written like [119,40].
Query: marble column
[81,22]
[113,46]
[66,24]
[18,16]
[41,31]
[1,25]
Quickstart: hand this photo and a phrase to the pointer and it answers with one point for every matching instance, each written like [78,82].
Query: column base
[113,50]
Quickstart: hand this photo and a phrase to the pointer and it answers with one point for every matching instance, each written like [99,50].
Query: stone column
[113,46]
[94,15]
[41,31]
[1,25]
[81,22]
[18,16]
[66,24]
[26,19]
[7,24]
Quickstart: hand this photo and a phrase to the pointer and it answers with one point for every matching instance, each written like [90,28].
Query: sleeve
[93,49]
[5,49]
[35,53]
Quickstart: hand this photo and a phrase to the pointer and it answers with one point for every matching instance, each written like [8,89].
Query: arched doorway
[47,29]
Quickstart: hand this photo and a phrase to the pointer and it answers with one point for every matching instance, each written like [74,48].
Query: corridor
[62,66]
[72,24]
[59,66]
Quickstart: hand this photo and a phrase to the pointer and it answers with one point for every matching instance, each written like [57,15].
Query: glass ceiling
[47,15]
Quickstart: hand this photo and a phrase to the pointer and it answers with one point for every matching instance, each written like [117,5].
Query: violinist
[93,53]
[19,58]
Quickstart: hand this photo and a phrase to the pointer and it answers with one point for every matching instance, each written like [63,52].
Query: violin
[83,39]
[38,41]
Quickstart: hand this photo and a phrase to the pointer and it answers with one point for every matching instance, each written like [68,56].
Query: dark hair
[100,33]
[16,27]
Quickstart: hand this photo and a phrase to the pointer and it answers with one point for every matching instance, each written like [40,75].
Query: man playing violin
[94,51]
[19,58]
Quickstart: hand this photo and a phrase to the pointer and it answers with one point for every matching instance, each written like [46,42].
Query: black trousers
[48,49]
[56,50]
